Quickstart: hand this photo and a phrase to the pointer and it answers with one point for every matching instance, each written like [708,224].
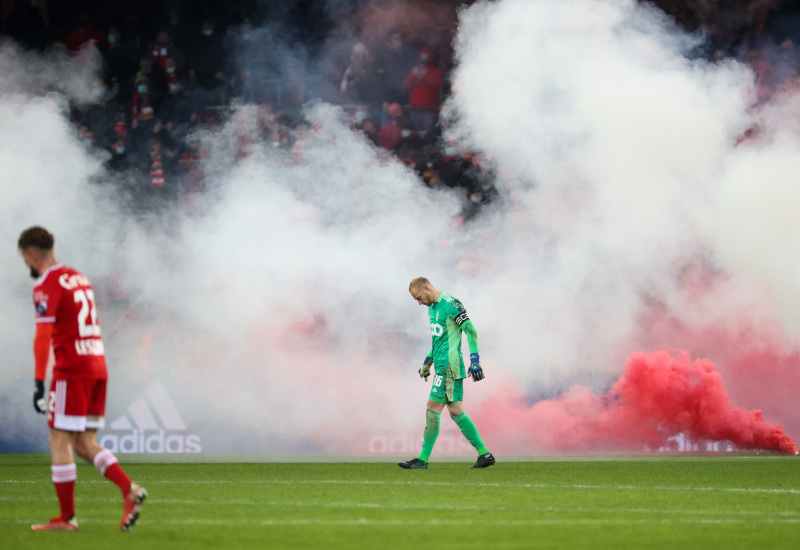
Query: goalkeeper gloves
[39,402]
[425,371]
[475,370]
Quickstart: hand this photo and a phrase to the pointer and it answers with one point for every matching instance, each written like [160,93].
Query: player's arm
[41,356]
[45,299]
[472,337]
[475,370]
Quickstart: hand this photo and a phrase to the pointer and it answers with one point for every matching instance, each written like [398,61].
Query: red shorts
[76,404]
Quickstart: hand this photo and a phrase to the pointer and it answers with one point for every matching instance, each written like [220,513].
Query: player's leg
[104,460]
[467,426]
[63,398]
[433,411]
[87,447]
[441,393]
[64,474]
[133,496]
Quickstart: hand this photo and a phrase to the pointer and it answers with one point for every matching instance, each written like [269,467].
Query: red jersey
[64,297]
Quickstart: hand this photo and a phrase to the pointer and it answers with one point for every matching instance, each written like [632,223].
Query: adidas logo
[155,421]
[449,442]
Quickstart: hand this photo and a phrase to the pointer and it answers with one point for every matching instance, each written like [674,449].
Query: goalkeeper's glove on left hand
[425,371]
[39,402]
[475,370]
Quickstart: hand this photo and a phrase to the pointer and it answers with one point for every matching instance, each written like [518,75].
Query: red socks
[64,476]
[106,464]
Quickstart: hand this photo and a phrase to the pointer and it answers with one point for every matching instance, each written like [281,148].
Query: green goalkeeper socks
[430,434]
[471,432]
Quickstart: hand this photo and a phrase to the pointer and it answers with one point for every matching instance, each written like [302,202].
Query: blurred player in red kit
[66,314]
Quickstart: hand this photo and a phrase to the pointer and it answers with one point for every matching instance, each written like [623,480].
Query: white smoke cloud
[45,178]
[287,301]
[626,149]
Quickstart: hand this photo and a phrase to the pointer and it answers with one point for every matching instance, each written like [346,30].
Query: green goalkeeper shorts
[445,389]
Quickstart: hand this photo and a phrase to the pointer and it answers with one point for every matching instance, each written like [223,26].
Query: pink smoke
[659,395]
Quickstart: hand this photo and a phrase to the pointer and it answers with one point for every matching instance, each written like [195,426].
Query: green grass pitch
[687,502]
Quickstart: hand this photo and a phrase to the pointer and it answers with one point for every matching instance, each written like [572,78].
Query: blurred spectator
[192,159]
[360,114]
[156,78]
[142,130]
[162,175]
[120,61]
[171,68]
[162,49]
[359,82]
[370,130]
[430,177]
[87,136]
[160,133]
[785,64]
[281,133]
[124,174]
[362,122]
[133,35]
[26,25]
[142,98]
[392,63]
[158,176]
[207,56]
[410,146]
[425,83]
[476,176]
[192,162]
[452,168]
[83,33]
[392,132]
[176,110]
[119,161]
[98,116]
[244,87]
[120,130]
[174,21]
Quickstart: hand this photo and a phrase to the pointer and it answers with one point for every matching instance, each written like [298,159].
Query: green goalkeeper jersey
[448,319]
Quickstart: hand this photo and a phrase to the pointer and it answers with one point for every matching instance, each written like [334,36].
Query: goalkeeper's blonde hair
[418,282]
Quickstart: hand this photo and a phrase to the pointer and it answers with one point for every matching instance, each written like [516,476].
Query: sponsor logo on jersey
[73,281]
[463,318]
[41,308]
[156,427]
[437,329]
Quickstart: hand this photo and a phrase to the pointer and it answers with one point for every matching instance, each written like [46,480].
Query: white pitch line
[444,484]
[491,485]
[472,508]
[454,507]
[435,523]
[483,521]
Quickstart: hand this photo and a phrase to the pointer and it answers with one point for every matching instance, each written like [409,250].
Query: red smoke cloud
[659,394]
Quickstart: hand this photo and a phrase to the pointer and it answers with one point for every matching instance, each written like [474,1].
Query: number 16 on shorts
[437,381]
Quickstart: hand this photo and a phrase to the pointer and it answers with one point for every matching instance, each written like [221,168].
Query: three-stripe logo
[150,426]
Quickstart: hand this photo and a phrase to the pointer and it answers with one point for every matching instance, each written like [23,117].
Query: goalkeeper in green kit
[448,319]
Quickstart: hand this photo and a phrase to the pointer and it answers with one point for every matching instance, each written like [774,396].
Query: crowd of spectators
[159,86]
